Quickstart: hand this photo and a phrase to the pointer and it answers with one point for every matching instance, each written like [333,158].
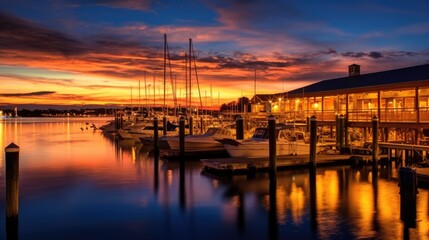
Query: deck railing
[386,115]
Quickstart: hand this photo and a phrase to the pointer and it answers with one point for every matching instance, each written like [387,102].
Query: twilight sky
[74,52]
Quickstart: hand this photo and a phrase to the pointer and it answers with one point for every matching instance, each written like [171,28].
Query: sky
[111,52]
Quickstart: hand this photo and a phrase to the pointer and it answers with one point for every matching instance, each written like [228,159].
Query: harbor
[128,183]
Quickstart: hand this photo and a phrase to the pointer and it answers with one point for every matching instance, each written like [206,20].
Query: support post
[155,135]
[337,131]
[408,191]
[239,130]
[12,190]
[12,181]
[164,125]
[374,141]
[202,125]
[191,125]
[182,139]
[313,141]
[272,145]
[182,162]
[341,130]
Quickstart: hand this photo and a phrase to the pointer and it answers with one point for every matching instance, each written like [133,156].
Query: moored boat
[289,141]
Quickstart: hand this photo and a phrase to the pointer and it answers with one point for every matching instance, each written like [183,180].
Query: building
[399,98]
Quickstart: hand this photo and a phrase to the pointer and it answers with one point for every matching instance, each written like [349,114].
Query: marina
[130,187]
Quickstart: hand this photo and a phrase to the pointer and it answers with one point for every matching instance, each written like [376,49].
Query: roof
[397,76]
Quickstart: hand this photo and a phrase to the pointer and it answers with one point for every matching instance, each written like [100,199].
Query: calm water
[80,184]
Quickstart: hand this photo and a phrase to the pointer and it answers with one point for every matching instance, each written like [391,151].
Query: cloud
[374,55]
[23,35]
[247,14]
[31,94]
[128,4]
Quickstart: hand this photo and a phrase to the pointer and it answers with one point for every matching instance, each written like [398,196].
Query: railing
[362,116]
[386,115]
[398,115]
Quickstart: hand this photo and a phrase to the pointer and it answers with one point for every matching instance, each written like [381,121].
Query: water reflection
[99,182]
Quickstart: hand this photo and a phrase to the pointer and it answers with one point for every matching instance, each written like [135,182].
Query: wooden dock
[232,165]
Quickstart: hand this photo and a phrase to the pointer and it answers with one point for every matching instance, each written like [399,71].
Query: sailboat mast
[165,67]
[154,92]
[190,75]
[186,82]
[145,93]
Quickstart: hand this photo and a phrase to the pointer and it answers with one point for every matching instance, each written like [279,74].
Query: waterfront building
[399,98]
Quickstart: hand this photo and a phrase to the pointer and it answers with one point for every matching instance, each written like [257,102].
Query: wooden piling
[12,181]
[313,141]
[408,191]
[239,130]
[374,141]
[191,125]
[272,145]
[202,125]
[182,161]
[164,125]
[155,135]
[182,139]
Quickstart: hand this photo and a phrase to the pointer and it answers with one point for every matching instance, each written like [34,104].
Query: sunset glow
[96,52]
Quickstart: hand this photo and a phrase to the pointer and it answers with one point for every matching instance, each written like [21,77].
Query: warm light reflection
[169,177]
[215,183]
[327,185]
[361,202]
[235,201]
[282,204]
[297,199]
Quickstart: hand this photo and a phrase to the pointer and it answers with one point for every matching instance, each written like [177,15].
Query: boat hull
[260,149]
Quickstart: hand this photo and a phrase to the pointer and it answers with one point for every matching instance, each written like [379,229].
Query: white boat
[289,141]
[207,142]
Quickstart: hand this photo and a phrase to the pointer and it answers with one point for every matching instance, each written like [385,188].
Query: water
[80,184]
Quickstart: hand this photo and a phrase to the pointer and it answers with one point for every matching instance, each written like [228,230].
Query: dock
[235,165]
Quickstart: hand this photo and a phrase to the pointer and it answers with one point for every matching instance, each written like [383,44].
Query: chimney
[354,70]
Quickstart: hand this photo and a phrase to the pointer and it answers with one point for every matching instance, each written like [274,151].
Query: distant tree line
[56,112]
[237,106]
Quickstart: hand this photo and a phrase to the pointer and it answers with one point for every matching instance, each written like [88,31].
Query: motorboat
[207,142]
[289,141]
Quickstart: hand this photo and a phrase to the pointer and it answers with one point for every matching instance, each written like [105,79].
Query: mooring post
[182,139]
[182,160]
[374,141]
[155,135]
[313,141]
[408,191]
[239,130]
[164,125]
[202,125]
[191,125]
[272,145]
[12,180]
[121,121]
[12,190]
